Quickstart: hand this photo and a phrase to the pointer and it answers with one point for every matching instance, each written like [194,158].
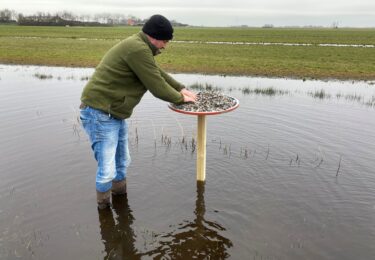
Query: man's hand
[188,95]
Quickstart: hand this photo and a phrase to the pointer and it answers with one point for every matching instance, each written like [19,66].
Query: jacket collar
[155,51]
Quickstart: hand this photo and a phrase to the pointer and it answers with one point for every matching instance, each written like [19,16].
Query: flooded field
[290,173]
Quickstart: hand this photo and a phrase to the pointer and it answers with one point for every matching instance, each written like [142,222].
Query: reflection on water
[117,234]
[196,239]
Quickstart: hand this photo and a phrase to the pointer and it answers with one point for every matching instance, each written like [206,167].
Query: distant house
[267,26]
[131,22]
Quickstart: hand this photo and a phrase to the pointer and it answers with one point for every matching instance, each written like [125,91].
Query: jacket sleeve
[142,63]
[171,81]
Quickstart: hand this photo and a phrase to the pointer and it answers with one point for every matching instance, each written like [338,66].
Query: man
[120,80]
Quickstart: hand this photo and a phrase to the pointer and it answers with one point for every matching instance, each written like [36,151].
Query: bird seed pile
[208,101]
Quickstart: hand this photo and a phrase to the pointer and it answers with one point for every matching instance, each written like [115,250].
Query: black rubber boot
[103,199]
[119,187]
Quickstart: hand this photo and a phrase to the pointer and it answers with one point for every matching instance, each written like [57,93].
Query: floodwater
[228,42]
[284,44]
[290,175]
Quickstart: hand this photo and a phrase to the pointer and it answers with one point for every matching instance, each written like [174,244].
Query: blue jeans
[109,142]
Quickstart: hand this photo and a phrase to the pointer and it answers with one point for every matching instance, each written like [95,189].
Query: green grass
[284,61]
[285,35]
[67,32]
[54,51]
[84,47]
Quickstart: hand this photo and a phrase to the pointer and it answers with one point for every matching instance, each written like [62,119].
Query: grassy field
[84,47]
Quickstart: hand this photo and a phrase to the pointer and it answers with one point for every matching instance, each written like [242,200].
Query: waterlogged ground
[290,173]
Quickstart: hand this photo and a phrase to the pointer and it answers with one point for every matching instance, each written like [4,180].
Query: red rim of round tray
[206,113]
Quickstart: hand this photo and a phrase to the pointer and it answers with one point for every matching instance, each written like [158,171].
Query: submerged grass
[370,102]
[204,87]
[270,91]
[42,76]
[321,94]
[84,47]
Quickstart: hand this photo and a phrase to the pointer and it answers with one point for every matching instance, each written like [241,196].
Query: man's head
[160,29]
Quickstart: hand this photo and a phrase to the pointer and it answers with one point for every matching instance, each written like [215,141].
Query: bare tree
[67,16]
[7,15]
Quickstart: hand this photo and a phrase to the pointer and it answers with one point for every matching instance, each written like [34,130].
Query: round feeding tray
[208,103]
[207,107]
[182,111]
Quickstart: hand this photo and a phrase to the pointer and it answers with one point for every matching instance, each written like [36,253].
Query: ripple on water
[271,187]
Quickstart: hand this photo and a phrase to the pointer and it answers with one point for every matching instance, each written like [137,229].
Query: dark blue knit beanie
[158,27]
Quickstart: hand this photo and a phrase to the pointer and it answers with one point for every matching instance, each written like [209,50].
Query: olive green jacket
[124,75]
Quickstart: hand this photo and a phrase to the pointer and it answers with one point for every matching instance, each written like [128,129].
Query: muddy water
[289,176]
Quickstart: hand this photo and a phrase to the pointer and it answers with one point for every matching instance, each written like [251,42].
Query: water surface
[289,176]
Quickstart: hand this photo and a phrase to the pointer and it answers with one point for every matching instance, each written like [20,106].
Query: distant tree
[105,18]
[20,18]
[65,18]
[268,26]
[7,16]
[119,18]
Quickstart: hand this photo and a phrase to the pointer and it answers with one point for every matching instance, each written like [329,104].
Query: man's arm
[189,96]
[171,81]
[143,65]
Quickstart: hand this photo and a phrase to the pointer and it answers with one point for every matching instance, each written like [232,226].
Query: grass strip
[58,47]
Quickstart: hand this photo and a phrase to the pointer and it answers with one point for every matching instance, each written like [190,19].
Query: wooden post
[201,136]
[201,151]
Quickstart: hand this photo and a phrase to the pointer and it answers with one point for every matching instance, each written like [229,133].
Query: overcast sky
[353,13]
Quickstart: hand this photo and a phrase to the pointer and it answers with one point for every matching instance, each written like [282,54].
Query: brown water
[288,176]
